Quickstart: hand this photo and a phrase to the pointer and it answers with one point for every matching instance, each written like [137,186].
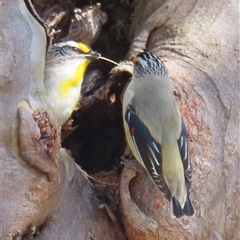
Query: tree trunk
[199,44]
[42,189]
[43,193]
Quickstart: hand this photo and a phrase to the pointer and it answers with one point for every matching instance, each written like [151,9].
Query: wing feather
[184,153]
[148,149]
[186,160]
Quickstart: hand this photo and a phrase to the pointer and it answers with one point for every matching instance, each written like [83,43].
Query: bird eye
[75,49]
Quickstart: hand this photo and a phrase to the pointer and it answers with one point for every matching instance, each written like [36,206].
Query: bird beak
[92,55]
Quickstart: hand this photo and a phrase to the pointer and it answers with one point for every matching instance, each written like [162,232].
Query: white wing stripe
[181,141]
[154,170]
[128,116]
[186,150]
[155,146]
[154,157]
[189,165]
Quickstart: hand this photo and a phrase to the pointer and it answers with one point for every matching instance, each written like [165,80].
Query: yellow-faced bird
[65,67]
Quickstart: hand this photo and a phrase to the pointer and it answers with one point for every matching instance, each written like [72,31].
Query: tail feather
[188,207]
[177,209]
[178,212]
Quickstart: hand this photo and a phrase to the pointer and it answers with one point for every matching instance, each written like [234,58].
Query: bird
[65,66]
[156,132]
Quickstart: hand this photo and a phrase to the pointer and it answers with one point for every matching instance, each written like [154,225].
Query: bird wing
[186,160]
[184,153]
[147,148]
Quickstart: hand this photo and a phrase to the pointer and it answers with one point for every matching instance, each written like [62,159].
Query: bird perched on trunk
[156,132]
[65,66]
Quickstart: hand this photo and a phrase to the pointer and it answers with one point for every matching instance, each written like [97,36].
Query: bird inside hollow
[156,132]
[65,67]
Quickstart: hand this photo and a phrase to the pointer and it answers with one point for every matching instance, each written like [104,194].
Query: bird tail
[188,209]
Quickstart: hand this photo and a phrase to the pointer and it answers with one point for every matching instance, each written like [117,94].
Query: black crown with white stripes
[65,50]
[149,63]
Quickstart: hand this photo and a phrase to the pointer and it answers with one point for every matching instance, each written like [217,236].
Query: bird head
[72,49]
[65,67]
[147,63]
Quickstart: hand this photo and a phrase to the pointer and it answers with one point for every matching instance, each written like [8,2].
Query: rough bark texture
[22,187]
[45,195]
[200,48]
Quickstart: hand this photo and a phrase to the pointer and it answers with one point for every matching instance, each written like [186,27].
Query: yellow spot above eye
[134,58]
[84,48]
[76,80]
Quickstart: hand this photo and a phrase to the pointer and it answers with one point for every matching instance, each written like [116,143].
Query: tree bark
[44,194]
[200,48]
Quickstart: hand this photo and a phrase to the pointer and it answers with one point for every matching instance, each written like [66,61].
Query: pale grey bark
[199,43]
[40,183]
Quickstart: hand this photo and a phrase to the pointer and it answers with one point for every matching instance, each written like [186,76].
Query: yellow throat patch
[76,80]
